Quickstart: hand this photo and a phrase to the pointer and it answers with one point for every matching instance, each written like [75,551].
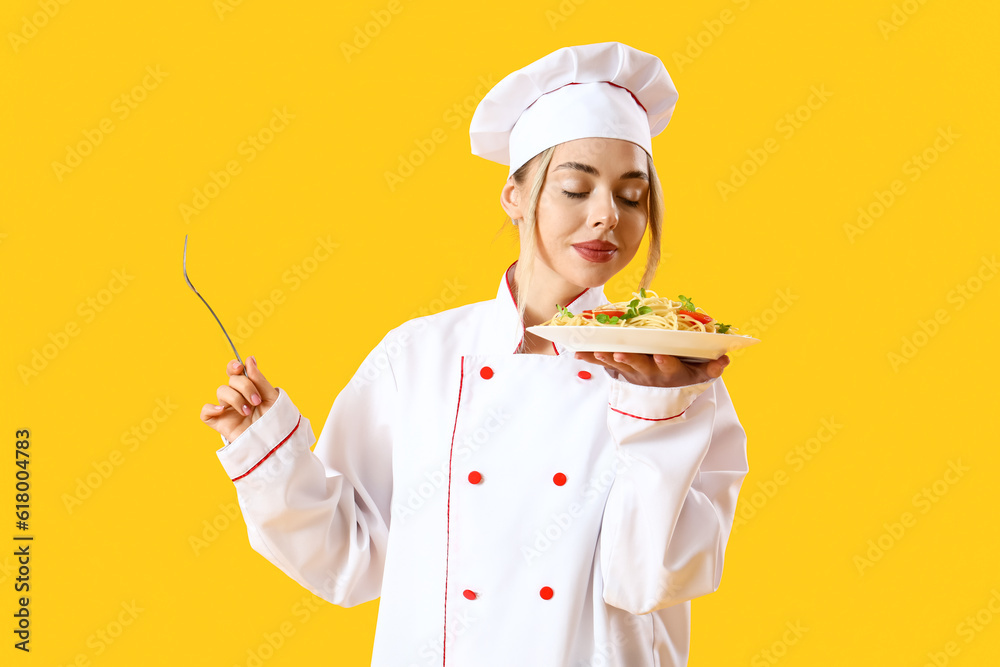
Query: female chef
[510,502]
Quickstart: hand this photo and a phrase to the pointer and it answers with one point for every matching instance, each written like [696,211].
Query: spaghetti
[647,310]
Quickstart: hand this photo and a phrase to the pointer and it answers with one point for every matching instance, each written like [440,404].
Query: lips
[596,251]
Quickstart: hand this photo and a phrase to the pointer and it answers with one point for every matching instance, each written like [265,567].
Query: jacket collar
[510,330]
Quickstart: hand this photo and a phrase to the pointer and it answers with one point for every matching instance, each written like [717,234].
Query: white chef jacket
[508,508]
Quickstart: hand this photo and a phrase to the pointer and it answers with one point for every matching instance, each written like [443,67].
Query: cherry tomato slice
[701,317]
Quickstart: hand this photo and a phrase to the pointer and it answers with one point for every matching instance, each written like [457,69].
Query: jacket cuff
[653,403]
[262,437]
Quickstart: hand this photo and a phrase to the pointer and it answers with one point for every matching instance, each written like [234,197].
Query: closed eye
[577,195]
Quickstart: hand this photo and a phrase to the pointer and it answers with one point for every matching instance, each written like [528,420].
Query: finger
[267,392]
[210,411]
[639,363]
[608,359]
[242,384]
[234,368]
[589,358]
[667,363]
[234,399]
[716,367]
[672,367]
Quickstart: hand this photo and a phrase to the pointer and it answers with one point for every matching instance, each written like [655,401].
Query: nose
[603,212]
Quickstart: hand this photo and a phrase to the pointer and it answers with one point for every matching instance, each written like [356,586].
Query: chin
[584,274]
[592,274]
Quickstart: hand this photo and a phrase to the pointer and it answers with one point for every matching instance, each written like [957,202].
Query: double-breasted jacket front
[506,508]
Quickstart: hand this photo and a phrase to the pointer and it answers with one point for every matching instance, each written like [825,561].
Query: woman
[507,501]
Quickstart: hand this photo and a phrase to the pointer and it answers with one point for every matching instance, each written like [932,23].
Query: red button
[471,595]
[546,593]
[475,477]
[584,375]
[559,479]
[486,372]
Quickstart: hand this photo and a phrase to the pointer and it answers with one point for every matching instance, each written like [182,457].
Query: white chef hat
[606,90]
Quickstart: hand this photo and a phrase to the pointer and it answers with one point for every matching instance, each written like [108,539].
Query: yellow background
[832,305]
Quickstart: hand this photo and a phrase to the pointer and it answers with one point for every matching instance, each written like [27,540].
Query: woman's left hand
[656,370]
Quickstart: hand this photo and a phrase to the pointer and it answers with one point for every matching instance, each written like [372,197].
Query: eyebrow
[586,168]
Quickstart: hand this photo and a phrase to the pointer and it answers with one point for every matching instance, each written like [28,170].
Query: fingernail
[253,359]
[255,399]
[246,409]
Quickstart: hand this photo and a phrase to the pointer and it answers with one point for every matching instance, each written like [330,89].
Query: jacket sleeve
[681,462]
[322,517]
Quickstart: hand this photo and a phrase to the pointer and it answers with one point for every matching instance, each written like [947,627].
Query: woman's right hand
[241,402]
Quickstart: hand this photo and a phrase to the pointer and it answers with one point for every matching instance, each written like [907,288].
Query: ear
[510,200]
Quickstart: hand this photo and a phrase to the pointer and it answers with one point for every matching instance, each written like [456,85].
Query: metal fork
[188,281]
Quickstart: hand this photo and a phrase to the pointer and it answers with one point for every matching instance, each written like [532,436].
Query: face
[592,211]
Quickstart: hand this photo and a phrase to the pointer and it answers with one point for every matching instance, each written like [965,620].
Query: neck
[546,290]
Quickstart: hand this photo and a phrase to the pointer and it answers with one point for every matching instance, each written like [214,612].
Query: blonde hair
[529,232]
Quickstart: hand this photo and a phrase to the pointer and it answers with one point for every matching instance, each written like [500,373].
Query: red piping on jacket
[649,419]
[270,452]
[447,548]
[506,275]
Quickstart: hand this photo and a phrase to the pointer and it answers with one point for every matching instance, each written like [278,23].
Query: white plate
[691,346]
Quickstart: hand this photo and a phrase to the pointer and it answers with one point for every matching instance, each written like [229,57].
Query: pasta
[646,310]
